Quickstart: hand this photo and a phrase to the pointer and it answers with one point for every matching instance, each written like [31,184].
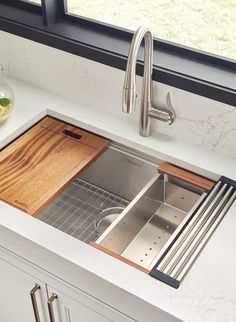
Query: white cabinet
[15,297]
[30,294]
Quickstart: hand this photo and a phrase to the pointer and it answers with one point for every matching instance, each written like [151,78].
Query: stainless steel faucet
[129,91]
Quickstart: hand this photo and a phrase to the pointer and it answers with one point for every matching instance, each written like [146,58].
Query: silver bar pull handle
[50,307]
[34,302]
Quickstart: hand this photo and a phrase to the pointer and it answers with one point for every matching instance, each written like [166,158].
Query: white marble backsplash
[204,122]
[200,121]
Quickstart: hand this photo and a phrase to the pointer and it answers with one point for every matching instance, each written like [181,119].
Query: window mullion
[52,10]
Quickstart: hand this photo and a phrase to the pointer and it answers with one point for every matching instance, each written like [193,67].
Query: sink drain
[106,218]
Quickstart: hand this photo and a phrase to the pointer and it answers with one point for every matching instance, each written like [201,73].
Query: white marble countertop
[208,293]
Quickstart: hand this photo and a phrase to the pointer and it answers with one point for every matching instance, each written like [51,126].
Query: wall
[201,121]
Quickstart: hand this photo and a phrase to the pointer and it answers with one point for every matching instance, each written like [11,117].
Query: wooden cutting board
[43,161]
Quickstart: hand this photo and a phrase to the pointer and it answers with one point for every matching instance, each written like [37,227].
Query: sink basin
[166,214]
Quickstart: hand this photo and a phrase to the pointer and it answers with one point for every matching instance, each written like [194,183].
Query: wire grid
[75,209]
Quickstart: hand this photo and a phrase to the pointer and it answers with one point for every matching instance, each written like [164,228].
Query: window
[69,25]
[207,25]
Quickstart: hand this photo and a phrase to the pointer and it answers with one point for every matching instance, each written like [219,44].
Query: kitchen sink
[150,214]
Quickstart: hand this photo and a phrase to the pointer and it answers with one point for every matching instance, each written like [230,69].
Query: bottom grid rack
[75,209]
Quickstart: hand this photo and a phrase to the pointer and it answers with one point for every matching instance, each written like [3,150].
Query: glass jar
[7,99]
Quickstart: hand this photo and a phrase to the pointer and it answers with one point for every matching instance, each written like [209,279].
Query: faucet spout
[129,88]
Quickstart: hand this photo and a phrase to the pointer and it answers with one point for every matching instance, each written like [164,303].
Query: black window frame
[188,69]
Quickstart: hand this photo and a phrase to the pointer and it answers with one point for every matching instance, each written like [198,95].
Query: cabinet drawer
[40,163]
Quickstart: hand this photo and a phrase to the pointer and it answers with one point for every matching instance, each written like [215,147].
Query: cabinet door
[15,297]
[66,309]
[81,308]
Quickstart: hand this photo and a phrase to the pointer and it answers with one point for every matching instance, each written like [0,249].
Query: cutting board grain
[43,161]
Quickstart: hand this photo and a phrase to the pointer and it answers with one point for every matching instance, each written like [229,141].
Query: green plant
[4,102]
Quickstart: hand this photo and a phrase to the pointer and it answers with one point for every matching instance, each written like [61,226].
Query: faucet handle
[165,114]
[170,109]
